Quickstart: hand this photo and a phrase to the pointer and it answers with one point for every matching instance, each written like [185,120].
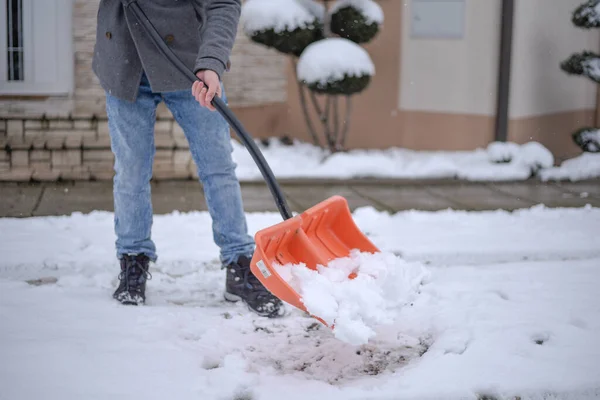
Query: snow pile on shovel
[354,307]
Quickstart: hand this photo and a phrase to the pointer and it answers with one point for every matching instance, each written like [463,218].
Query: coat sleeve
[218,33]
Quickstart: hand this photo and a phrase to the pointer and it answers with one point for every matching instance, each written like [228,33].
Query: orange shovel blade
[317,236]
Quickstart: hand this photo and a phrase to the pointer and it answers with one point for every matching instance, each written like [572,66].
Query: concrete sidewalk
[42,199]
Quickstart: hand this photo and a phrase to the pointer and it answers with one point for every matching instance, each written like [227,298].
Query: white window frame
[48,49]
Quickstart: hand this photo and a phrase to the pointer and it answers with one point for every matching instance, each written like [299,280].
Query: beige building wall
[546,104]
[543,37]
[449,75]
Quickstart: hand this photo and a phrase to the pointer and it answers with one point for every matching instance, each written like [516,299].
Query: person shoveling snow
[320,234]
[381,282]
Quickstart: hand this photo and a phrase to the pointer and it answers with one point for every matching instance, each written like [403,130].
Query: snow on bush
[279,15]
[586,63]
[502,152]
[585,166]
[587,15]
[371,11]
[532,154]
[588,139]
[356,20]
[335,65]
[316,9]
[536,156]
[592,68]
[355,306]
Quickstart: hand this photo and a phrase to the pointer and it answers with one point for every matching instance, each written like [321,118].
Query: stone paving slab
[478,197]
[167,197]
[591,189]
[257,198]
[308,196]
[18,200]
[400,198]
[37,199]
[66,198]
[551,195]
[182,196]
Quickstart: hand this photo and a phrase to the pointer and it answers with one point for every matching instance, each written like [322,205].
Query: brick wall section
[88,96]
[79,149]
[257,74]
[68,138]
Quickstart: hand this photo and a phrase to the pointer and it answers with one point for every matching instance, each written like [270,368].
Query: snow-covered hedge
[356,20]
[324,39]
[586,63]
[285,25]
[335,66]
[587,15]
[588,139]
[532,155]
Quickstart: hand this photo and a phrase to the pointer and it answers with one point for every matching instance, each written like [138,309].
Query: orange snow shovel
[318,235]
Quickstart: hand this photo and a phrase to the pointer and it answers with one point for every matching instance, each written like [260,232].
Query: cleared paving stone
[478,197]
[18,200]
[258,198]
[182,196]
[399,198]
[85,197]
[550,195]
[581,189]
[308,196]
[63,198]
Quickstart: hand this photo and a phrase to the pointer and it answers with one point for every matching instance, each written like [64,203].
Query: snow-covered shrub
[285,25]
[587,15]
[502,152]
[356,20]
[323,38]
[325,68]
[586,63]
[588,139]
[536,156]
[533,155]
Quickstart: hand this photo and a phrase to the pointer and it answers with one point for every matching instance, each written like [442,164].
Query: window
[36,47]
[438,19]
[14,33]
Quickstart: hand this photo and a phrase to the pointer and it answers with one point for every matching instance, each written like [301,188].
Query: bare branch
[326,119]
[316,105]
[346,121]
[336,122]
[311,128]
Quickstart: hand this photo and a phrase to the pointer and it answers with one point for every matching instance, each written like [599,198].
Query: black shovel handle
[220,105]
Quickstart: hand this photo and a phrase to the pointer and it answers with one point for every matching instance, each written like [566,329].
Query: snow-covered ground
[507,305]
[585,166]
[496,162]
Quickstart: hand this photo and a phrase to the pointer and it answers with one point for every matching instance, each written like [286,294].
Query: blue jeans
[131,127]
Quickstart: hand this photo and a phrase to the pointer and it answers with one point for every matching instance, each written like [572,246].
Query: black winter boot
[133,276]
[241,284]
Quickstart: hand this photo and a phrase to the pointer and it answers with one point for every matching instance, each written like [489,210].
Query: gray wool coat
[200,32]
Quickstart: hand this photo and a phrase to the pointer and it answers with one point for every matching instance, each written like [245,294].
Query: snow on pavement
[498,161]
[509,307]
